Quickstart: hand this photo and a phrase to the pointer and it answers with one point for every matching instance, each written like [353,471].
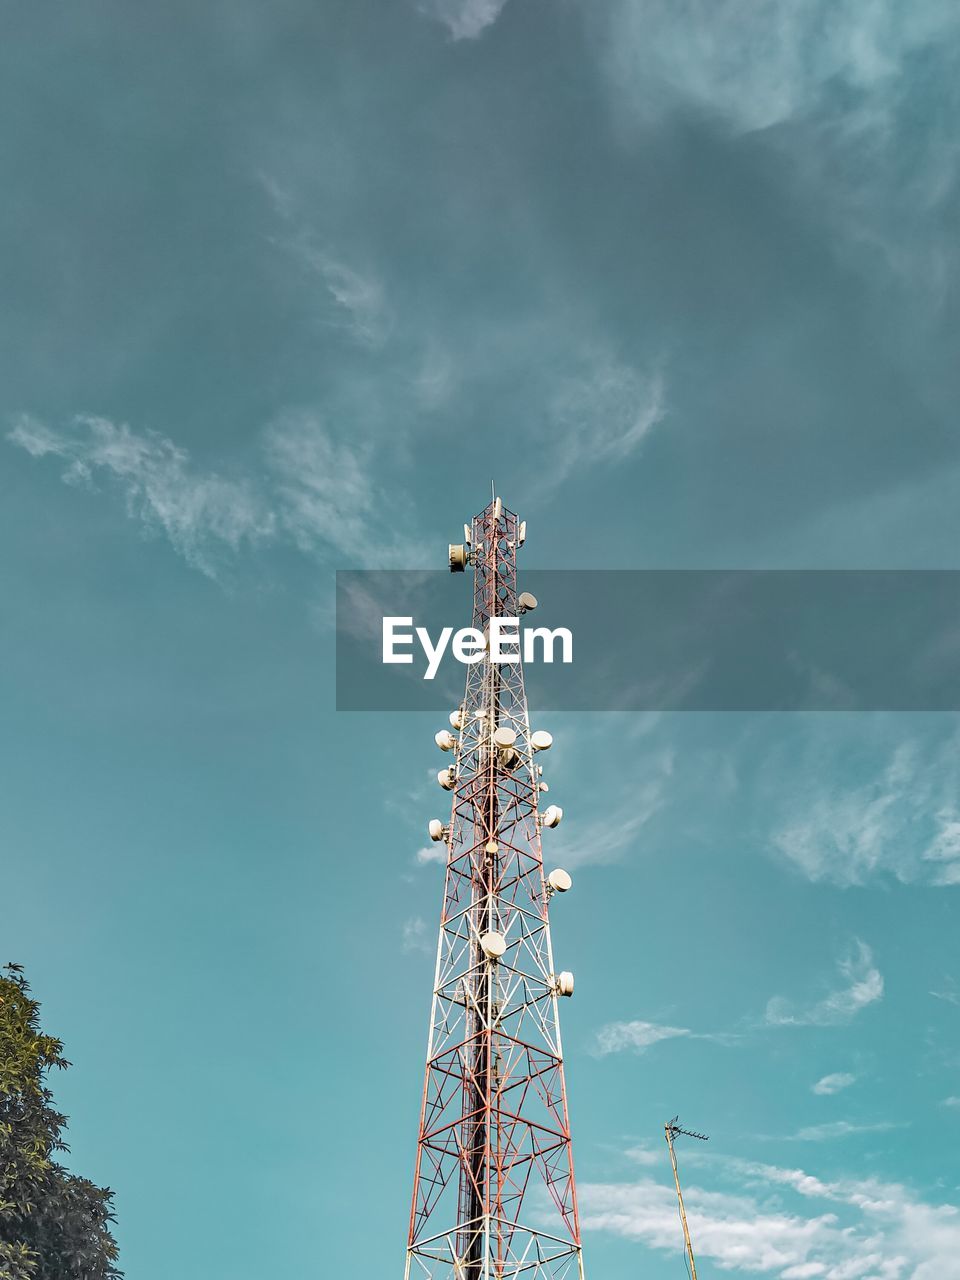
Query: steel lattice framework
[494,1195]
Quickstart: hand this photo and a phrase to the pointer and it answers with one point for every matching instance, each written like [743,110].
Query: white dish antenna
[504,737]
[565,983]
[522,533]
[559,880]
[447,778]
[552,816]
[540,740]
[436,830]
[445,740]
[457,557]
[456,718]
[526,601]
[493,945]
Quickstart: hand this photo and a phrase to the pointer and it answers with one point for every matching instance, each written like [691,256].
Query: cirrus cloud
[863,986]
[763,1224]
[828,1085]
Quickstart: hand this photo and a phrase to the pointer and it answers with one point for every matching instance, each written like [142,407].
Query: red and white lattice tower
[494,1195]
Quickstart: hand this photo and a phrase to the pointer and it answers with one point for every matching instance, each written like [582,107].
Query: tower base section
[494,1250]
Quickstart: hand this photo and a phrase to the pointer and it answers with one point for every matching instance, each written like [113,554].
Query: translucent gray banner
[674,640]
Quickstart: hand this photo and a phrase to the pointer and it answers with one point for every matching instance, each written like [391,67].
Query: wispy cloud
[903,821]
[863,986]
[325,487]
[614,831]
[841,1129]
[410,797]
[603,413]
[416,936]
[643,1155]
[731,1230]
[952,1101]
[638,1036]
[595,407]
[759,63]
[827,1086]
[845,835]
[431,854]
[435,379]
[464,19]
[355,298]
[862,1228]
[834,84]
[358,298]
[202,514]
[311,491]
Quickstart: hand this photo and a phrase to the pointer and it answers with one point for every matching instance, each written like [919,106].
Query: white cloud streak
[835,84]
[354,299]
[863,1229]
[464,19]
[202,515]
[312,491]
[828,1085]
[759,63]
[613,832]
[732,1231]
[326,493]
[602,414]
[904,821]
[638,1036]
[431,854]
[359,297]
[841,1129]
[594,407]
[949,994]
[415,936]
[863,986]
[643,1155]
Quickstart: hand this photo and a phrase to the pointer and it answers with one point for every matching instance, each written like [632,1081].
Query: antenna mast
[673,1130]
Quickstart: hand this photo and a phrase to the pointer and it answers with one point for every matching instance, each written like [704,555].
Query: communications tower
[494,1195]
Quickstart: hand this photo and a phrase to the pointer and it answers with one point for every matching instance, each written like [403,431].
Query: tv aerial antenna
[672,1130]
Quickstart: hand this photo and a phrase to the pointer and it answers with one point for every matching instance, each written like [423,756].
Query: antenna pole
[671,1130]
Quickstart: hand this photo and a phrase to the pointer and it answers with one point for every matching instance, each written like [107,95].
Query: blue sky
[283,286]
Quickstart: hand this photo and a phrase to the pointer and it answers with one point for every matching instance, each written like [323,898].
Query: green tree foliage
[53,1225]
